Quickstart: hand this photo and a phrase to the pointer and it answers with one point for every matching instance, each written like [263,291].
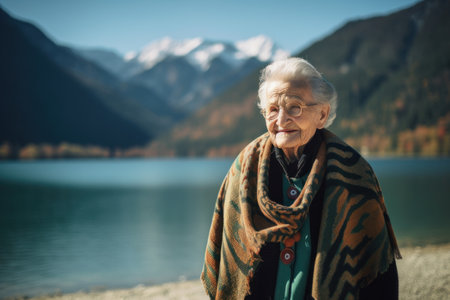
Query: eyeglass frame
[302,106]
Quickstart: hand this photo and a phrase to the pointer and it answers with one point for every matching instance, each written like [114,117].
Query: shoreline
[424,273]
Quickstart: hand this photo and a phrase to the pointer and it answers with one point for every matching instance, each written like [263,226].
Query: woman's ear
[324,113]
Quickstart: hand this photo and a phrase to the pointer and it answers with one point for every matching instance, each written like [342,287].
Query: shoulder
[253,150]
[257,144]
[347,164]
[336,146]
[339,150]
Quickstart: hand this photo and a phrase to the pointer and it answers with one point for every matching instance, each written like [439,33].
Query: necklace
[292,191]
[287,255]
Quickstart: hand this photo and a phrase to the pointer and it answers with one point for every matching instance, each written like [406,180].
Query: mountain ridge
[199,52]
[393,90]
[181,70]
[392,74]
[112,113]
[79,106]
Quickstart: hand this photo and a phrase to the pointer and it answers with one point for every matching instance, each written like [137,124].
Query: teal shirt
[292,279]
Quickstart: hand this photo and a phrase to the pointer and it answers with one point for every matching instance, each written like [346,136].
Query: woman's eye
[272,112]
[294,109]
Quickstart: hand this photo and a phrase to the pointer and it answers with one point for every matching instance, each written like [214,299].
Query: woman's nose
[282,117]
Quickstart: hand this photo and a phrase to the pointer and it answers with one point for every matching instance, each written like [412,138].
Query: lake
[72,225]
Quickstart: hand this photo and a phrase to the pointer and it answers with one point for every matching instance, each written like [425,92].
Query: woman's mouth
[285,130]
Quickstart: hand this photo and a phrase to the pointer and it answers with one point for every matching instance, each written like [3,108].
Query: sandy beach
[424,273]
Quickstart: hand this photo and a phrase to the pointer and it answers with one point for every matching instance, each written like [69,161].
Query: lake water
[93,224]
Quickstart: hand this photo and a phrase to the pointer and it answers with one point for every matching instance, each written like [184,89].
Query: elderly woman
[300,214]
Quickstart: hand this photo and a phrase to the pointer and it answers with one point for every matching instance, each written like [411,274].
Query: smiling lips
[285,130]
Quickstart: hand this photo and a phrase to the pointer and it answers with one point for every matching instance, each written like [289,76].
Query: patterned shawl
[356,242]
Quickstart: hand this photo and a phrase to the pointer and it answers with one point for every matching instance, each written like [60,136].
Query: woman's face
[291,133]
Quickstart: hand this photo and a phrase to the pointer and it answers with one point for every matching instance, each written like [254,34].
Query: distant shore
[424,273]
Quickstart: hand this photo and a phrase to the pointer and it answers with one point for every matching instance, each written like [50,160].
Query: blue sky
[129,25]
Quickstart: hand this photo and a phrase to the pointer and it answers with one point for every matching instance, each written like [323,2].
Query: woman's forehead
[300,89]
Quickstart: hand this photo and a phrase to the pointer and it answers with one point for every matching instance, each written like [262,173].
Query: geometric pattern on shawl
[356,241]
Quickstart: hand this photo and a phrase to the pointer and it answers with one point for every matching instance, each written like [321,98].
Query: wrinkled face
[288,131]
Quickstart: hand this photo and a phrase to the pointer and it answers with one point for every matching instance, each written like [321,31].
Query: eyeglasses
[291,107]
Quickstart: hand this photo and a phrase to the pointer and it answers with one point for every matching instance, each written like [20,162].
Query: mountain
[392,74]
[108,59]
[189,73]
[52,95]
[200,52]
[134,102]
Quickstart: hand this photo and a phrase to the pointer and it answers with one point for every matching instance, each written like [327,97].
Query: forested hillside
[392,74]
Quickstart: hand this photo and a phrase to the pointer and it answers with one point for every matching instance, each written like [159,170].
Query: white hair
[298,69]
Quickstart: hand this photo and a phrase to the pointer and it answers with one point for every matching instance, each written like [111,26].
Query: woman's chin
[287,143]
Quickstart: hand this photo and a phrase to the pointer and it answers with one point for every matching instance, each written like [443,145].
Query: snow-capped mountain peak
[259,46]
[206,54]
[160,49]
[189,73]
[200,52]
